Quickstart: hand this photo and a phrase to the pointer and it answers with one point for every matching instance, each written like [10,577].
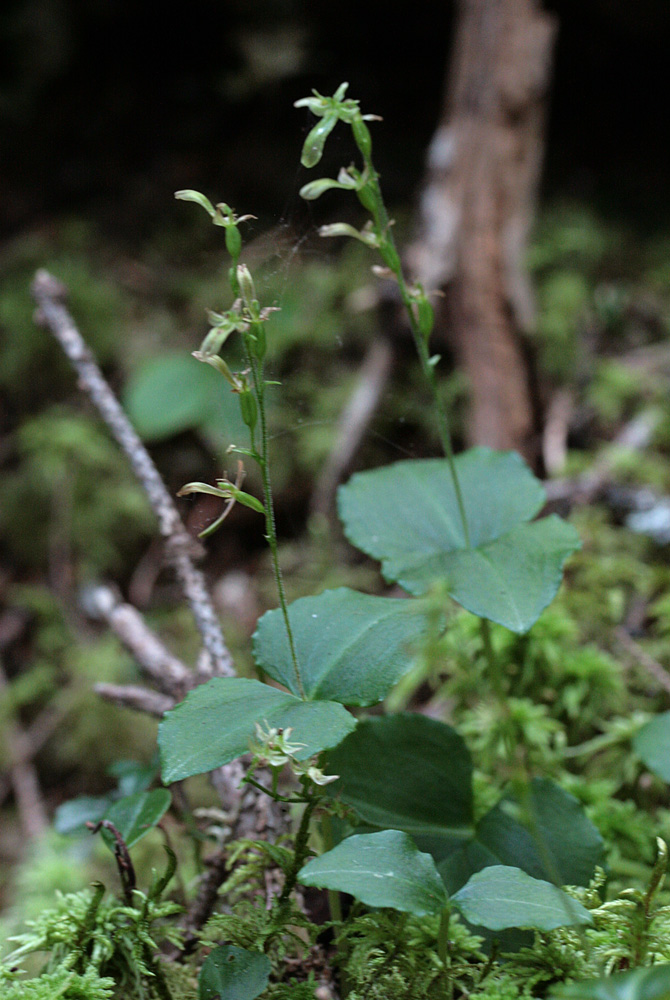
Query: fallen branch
[139,698]
[171,675]
[50,295]
[247,812]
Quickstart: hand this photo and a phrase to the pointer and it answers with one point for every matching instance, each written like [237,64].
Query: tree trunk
[477,205]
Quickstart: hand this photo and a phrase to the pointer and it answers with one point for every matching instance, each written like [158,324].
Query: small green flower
[365,235]
[272,747]
[313,772]
[331,110]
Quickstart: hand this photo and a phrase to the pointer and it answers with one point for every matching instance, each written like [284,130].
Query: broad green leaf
[562,831]
[173,393]
[134,815]
[351,647]
[380,869]
[407,772]
[216,721]
[230,973]
[407,516]
[499,897]
[560,842]
[641,984]
[411,773]
[652,744]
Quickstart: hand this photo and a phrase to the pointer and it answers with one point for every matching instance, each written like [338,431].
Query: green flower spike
[331,110]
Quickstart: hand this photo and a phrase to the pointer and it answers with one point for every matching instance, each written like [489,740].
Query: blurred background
[547,131]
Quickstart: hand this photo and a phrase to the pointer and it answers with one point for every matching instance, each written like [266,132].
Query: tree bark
[477,206]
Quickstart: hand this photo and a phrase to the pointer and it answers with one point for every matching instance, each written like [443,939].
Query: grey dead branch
[247,812]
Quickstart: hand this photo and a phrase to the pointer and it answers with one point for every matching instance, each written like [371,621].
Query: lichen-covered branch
[133,696]
[168,672]
[247,812]
[50,295]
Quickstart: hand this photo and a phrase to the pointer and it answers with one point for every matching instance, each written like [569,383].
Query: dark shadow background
[108,106]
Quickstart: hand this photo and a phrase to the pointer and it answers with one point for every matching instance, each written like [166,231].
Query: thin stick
[49,295]
[168,673]
[140,698]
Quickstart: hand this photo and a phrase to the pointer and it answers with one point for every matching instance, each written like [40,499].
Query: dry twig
[168,673]
[50,295]
[134,696]
[246,811]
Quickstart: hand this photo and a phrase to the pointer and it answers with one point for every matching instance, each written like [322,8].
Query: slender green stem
[268,791]
[270,525]
[391,256]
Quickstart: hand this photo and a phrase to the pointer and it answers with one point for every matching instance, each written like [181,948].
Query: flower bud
[362,137]
[390,256]
[312,151]
[233,242]
[367,196]
[260,343]
[248,409]
[246,284]
[425,315]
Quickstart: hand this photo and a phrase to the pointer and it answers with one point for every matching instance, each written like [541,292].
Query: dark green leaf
[641,984]
[409,773]
[542,830]
[407,516]
[652,744]
[561,831]
[216,721]
[230,973]
[351,647]
[134,815]
[499,897]
[380,869]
